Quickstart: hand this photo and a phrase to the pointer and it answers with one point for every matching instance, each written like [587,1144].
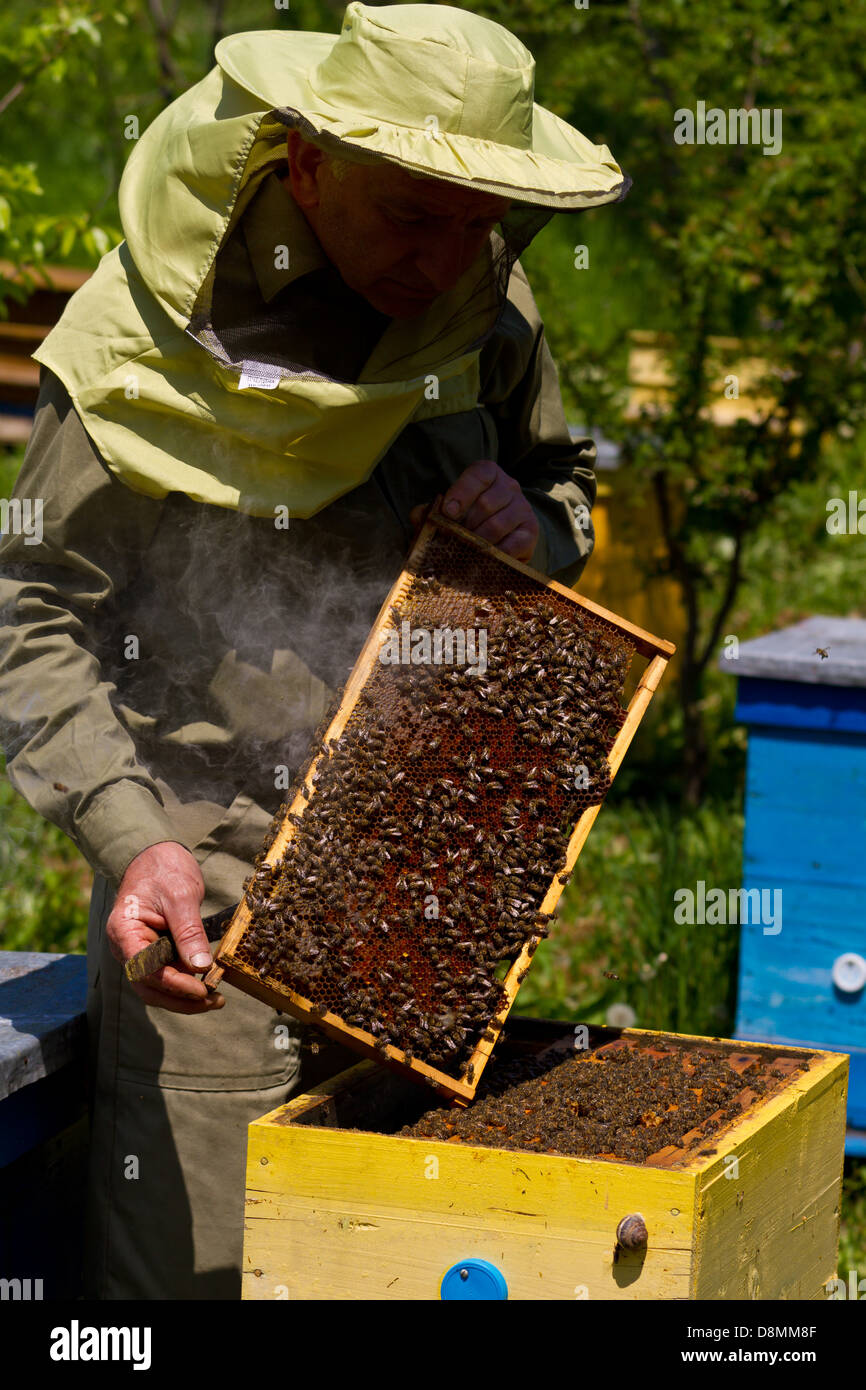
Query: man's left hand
[489,502]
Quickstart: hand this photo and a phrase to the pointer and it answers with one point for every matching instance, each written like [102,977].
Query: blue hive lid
[792,653]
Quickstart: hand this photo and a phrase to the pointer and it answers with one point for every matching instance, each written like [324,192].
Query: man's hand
[489,502]
[163,888]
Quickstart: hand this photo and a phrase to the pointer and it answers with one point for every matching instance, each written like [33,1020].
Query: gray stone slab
[792,654]
[42,1019]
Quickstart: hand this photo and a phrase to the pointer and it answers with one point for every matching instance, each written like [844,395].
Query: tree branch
[725,604]
[18,87]
[162,28]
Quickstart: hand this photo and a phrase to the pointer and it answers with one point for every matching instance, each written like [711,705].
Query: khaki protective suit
[165,658]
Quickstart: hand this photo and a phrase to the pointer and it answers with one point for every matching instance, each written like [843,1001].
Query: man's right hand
[161,889]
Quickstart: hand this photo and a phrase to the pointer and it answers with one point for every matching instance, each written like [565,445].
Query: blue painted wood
[855,1143]
[806,808]
[805,836]
[43,1047]
[796,705]
[43,1132]
[36,1113]
[782,997]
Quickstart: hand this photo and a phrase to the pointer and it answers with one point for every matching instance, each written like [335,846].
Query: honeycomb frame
[231,962]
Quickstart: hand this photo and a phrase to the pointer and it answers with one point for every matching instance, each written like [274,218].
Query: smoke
[245,630]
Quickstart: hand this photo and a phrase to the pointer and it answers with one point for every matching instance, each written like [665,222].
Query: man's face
[397,240]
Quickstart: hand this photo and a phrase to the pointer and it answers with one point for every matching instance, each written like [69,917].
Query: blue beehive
[806,836]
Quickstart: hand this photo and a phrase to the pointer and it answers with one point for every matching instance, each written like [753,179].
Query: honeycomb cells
[441,815]
[628,1104]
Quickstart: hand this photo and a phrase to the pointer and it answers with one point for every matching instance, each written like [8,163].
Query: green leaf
[83,25]
[67,241]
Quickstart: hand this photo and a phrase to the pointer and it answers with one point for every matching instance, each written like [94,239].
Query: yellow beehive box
[752,1211]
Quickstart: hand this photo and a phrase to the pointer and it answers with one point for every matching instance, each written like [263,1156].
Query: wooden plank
[18,371]
[66,278]
[23,332]
[340,1215]
[15,429]
[768,1205]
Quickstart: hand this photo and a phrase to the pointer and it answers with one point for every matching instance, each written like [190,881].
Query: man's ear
[305,165]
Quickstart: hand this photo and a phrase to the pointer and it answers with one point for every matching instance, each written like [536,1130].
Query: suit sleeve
[520,387]
[74,538]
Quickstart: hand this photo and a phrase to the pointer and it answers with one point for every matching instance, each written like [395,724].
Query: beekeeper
[316,323]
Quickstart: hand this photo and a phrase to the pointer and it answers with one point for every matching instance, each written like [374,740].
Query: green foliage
[713,240]
[852,1231]
[71,76]
[44,883]
[39,57]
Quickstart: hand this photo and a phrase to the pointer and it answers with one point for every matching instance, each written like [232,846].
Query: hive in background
[408,883]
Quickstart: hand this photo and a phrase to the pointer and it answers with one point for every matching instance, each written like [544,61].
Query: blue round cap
[473,1279]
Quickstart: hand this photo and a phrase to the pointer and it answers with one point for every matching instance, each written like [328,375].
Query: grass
[617,916]
[852,1236]
[44,881]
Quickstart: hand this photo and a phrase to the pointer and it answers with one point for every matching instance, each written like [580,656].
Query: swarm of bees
[626,1105]
[440,817]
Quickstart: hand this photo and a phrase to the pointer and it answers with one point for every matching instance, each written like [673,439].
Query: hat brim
[563,170]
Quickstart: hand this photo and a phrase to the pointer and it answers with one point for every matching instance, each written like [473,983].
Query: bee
[609,975]
[823,652]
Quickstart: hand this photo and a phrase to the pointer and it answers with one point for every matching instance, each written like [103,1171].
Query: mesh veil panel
[321,329]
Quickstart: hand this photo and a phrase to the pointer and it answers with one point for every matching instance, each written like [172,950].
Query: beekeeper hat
[436,90]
